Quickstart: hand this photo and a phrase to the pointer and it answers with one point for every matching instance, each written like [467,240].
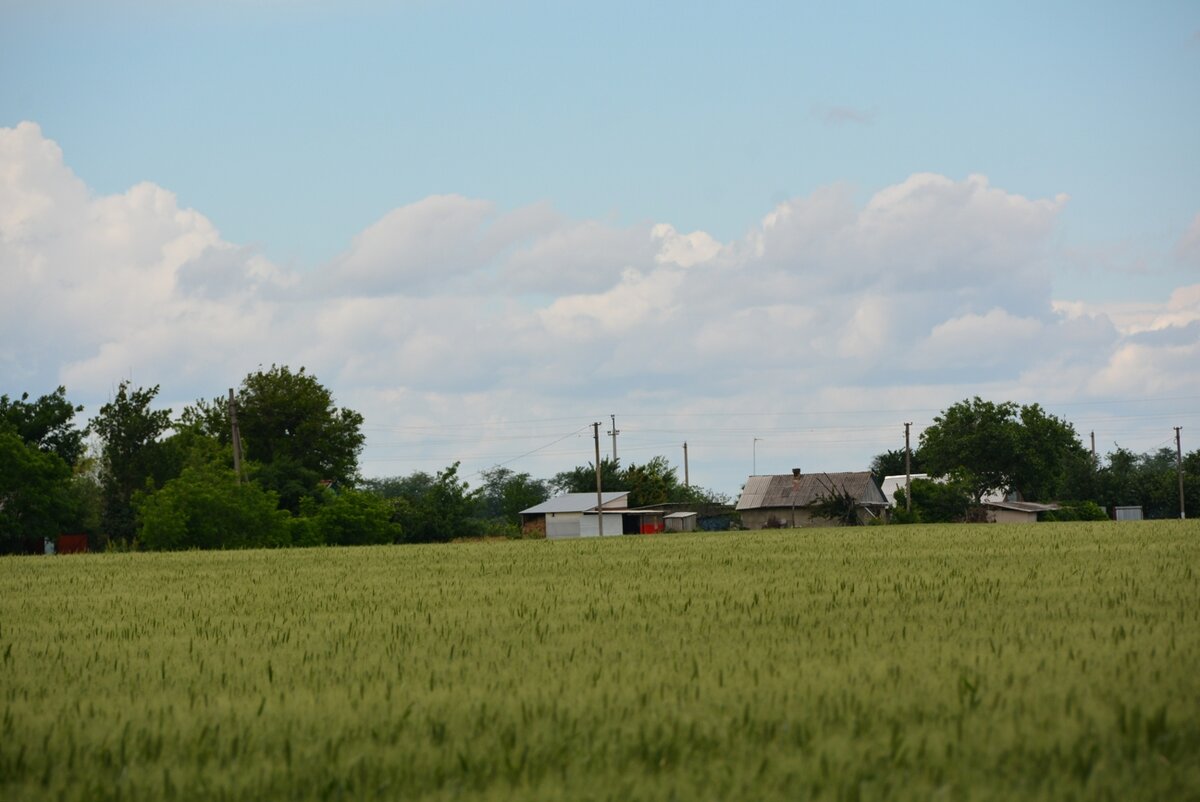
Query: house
[786,500]
[1015,512]
[891,484]
[575,515]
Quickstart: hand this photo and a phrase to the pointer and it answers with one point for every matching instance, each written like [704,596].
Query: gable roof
[577,502]
[763,492]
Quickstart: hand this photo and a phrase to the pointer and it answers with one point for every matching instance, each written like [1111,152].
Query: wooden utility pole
[615,431]
[1179,468]
[236,435]
[907,470]
[599,488]
[686,481]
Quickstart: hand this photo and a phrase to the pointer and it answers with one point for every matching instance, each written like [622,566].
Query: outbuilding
[576,515]
[1015,512]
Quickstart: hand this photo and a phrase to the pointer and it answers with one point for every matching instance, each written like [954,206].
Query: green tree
[207,508]
[292,431]
[652,483]
[891,463]
[131,454]
[1150,481]
[934,502]
[1002,447]
[1047,451]
[47,423]
[353,518]
[432,509]
[35,491]
[503,494]
[582,478]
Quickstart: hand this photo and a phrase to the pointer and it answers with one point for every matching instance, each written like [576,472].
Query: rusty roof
[782,491]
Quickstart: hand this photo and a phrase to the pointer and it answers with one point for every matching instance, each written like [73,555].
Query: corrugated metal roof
[777,491]
[1020,506]
[576,502]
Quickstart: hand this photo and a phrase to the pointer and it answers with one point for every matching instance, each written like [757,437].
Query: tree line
[155,480]
[977,448]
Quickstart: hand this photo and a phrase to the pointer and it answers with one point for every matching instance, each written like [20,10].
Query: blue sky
[566,132]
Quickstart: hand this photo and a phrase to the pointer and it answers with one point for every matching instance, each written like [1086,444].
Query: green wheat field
[1048,661]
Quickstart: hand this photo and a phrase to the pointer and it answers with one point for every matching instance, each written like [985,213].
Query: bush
[1076,511]
[350,518]
[206,508]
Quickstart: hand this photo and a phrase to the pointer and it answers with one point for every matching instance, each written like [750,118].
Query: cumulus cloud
[451,309]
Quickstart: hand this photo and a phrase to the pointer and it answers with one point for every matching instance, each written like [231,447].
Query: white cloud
[450,311]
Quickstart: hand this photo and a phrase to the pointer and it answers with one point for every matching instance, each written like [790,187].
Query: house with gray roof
[786,500]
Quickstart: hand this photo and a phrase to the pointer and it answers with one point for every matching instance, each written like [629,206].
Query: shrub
[206,508]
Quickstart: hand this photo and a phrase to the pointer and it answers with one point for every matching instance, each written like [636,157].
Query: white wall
[590,526]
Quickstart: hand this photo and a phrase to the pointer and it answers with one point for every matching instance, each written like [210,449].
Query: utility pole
[754,456]
[599,489]
[907,470]
[236,435]
[615,431]
[686,481]
[795,487]
[1179,468]
[1093,447]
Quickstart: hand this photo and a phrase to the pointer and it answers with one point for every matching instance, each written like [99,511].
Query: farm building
[786,500]
[891,484]
[1015,512]
[575,515]
[681,521]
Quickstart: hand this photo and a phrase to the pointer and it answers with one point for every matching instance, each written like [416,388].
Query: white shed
[574,514]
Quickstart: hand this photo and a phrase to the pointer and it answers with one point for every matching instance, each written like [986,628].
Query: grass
[1056,661]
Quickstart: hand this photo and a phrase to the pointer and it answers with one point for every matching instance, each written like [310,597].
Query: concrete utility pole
[615,431]
[907,470]
[795,487]
[236,434]
[599,488]
[686,481]
[1179,468]
[754,456]
[1093,447]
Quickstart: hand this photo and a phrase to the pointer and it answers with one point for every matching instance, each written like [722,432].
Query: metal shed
[574,514]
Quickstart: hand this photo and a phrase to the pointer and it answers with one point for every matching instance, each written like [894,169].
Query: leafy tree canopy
[891,463]
[131,453]
[34,491]
[1001,447]
[582,478]
[293,433]
[934,502]
[504,493]
[207,508]
[47,423]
